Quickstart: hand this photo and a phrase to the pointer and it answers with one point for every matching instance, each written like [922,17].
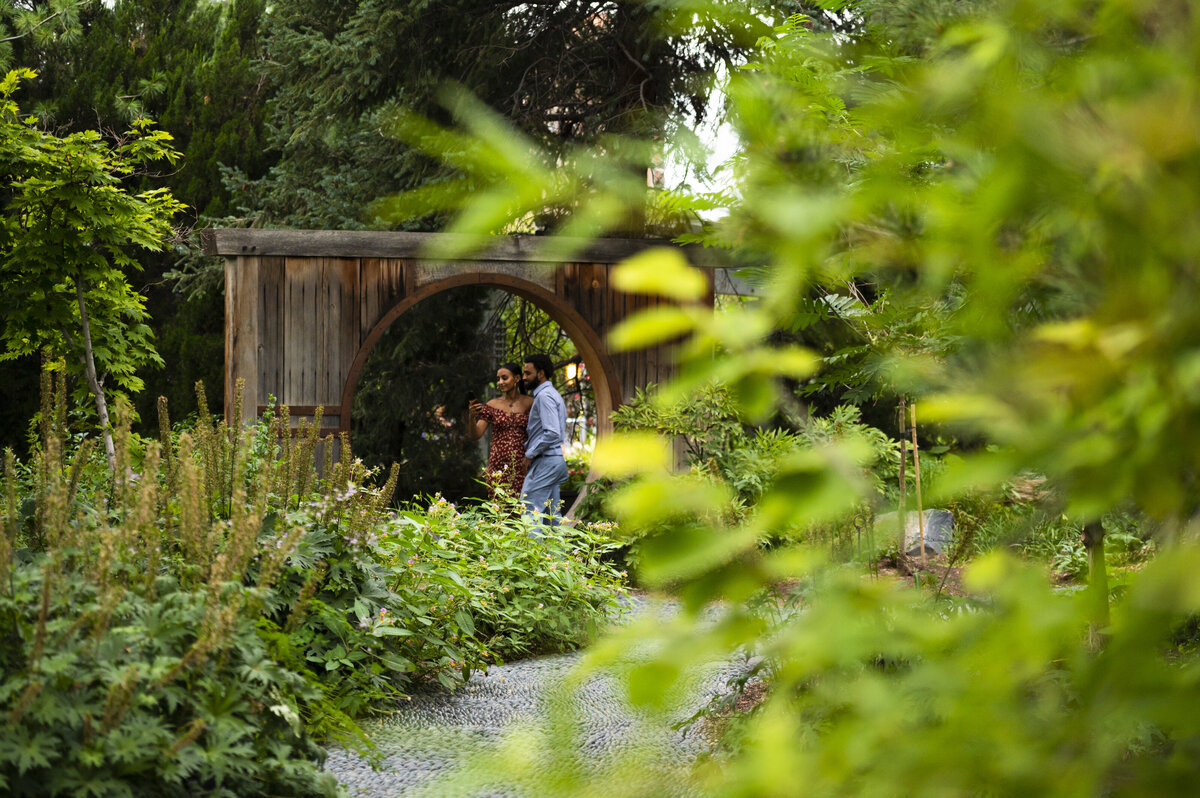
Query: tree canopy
[563,73]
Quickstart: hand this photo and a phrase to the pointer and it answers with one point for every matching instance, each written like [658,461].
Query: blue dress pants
[545,477]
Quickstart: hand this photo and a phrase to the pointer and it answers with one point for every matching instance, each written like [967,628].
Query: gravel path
[523,714]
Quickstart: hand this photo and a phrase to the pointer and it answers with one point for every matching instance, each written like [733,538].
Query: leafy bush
[579,463]
[982,697]
[144,691]
[131,663]
[1040,531]
[507,586]
[745,461]
[207,620]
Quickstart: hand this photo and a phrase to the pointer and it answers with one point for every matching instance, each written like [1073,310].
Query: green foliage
[66,236]
[31,29]
[498,582]
[1029,522]
[186,63]
[132,664]
[191,66]
[1024,175]
[579,463]
[980,697]
[221,607]
[746,461]
[706,424]
[105,695]
[563,74]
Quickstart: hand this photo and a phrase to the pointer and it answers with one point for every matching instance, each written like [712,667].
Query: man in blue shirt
[547,432]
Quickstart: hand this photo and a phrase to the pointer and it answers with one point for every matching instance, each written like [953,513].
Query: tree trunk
[93,381]
[1093,541]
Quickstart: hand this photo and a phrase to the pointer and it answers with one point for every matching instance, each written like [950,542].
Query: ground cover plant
[742,460]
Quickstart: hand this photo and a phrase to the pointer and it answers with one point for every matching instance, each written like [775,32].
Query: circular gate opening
[410,383]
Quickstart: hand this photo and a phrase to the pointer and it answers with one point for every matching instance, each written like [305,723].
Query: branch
[40,24]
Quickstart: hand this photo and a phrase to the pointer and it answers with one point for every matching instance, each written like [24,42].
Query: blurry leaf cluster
[998,202]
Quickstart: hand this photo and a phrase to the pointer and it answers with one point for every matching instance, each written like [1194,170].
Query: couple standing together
[528,433]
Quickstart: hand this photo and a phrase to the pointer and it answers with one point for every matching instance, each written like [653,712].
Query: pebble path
[431,738]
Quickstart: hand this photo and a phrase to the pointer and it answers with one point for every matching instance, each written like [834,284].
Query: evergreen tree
[564,73]
[189,64]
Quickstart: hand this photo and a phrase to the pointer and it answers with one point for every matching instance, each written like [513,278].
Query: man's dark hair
[541,362]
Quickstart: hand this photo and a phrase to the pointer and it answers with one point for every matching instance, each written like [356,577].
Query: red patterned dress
[506,461]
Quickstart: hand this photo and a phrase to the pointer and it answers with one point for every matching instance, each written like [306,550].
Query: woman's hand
[475,424]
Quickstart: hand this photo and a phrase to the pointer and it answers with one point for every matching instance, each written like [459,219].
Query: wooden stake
[917,480]
[1093,541]
[903,508]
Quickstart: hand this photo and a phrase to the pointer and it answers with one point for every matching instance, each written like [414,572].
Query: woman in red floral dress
[508,414]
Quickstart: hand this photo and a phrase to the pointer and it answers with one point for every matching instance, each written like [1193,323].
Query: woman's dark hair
[515,370]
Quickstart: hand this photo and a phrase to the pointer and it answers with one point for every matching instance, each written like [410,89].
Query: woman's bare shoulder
[524,403]
[497,403]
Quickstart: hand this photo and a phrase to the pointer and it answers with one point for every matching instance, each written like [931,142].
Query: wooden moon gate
[304,308]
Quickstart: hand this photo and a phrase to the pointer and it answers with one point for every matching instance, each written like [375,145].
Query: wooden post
[902,510]
[1093,541]
[241,338]
[917,481]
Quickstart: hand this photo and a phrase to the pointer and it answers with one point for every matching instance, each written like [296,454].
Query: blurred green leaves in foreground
[1024,177]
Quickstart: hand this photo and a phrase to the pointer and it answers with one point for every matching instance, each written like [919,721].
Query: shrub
[579,461]
[725,455]
[509,587]
[151,690]
[131,664]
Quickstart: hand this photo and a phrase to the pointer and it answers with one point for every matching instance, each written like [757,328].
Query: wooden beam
[302,410]
[247,242]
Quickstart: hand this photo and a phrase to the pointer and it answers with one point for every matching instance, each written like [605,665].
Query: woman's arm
[475,425]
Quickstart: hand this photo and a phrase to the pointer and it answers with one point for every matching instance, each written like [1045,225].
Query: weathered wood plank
[426,272]
[596,285]
[327,315]
[384,283]
[300,358]
[301,410]
[369,271]
[241,335]
[346,331]
[270,329]
[375,244]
